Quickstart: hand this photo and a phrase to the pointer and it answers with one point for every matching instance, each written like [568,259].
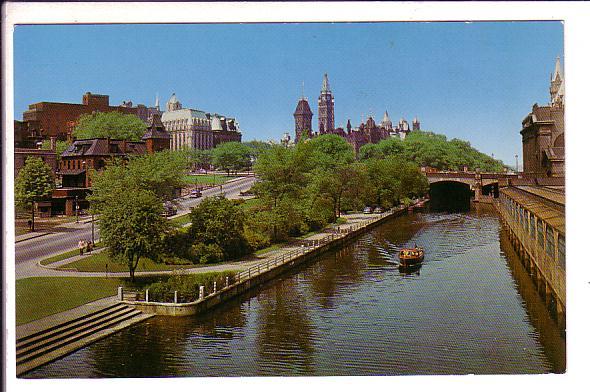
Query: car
[378,210]
[195,193]
[367,210]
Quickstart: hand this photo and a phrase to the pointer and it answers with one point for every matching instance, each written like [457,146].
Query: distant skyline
[472,81]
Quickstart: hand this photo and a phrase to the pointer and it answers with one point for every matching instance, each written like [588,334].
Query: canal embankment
[266,270]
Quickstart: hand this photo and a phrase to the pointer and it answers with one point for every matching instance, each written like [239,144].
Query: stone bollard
[201,292]
[176,297]
[226,281]
[120,293]
[147,295]
[214,287]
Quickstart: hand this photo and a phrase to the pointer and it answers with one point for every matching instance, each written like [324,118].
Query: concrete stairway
[46,345]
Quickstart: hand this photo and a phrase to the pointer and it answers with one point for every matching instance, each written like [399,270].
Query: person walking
[89,247]
[81,247]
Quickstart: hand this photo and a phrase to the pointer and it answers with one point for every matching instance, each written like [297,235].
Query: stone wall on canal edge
[263,272]
[536,229]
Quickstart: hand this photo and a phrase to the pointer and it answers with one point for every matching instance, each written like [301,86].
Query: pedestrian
[89,246]
[81,247]
[30,223]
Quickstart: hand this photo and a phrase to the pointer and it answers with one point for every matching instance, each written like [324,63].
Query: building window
[540,236]
[561,250]
[549,242]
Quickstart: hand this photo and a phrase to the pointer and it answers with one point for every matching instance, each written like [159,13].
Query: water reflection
[354,312]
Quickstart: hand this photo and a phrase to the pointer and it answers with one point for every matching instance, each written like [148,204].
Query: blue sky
[473,81]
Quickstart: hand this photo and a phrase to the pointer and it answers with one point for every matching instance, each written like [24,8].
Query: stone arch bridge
[476,181]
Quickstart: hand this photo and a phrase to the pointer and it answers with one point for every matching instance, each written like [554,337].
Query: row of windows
[536,229]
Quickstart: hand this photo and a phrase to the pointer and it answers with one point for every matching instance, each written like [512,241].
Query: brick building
[156,137]
[543,133]
[46,119]
[49,157]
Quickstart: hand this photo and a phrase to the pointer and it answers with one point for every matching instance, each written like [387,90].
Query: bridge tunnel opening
[491,190]
[450,196]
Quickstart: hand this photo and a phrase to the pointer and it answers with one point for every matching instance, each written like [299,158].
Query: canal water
[470,308]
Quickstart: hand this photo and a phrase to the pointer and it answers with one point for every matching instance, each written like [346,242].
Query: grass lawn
[98,262]
[65,255]
[43,296]
[181,220]
[207,179]
[249,203]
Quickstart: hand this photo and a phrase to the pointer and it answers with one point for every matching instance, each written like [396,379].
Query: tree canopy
[34,183]
[131,226]
[115,125]
[434,150]
[217,230]
[161,173]
[231,156]
[60,146]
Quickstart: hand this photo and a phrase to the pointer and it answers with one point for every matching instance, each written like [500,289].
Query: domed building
[197,129]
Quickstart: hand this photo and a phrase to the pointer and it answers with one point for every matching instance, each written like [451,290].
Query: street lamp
[76,199]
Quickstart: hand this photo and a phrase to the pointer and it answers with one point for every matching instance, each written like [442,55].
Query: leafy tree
[115,125]
[257,147]
[329,151]
[132,225]
[218,229]
[282,178]
[231,156]
[34,183]
[161,173]
[198,159]
[60,147]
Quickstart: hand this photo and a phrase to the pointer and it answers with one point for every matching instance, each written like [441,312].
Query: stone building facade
[192,128]
[543,132]
[46,119]
[303,117]
[325,108]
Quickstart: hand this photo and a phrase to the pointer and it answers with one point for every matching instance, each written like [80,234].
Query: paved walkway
[239,265]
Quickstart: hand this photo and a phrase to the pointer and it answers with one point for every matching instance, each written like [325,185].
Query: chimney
[52,143]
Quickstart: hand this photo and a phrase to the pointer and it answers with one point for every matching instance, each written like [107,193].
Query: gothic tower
[302,116]
[416,124]
[326,108]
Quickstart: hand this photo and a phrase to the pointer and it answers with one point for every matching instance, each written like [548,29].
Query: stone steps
[57,341]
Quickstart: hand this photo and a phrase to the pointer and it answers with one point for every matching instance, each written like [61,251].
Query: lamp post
[76,199]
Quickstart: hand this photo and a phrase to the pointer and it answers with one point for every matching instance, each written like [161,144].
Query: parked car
[378,210]
[368,210]
[195,193]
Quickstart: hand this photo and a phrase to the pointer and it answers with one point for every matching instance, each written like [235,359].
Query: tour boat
[411,256]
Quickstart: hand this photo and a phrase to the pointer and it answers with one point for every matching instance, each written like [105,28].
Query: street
[66,238]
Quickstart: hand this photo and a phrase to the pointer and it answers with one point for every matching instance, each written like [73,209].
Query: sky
[472,81]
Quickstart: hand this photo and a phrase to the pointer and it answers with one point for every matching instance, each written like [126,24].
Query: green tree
[198,159]
[282,178]
[231,156]
[329,152]
[115,125]
[161,173]
[34,183]
[218,225]
[131,226]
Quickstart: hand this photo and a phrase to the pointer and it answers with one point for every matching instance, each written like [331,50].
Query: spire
[303,89]
[325,84]
[386,118]
[157,106]
[557,70]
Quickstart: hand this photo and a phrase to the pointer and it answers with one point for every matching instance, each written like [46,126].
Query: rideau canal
[471,308]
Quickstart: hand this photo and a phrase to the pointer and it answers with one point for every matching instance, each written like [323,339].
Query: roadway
[66,237]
